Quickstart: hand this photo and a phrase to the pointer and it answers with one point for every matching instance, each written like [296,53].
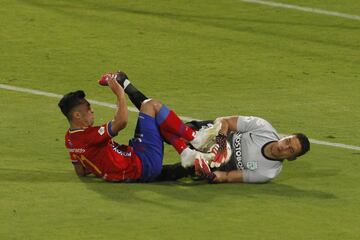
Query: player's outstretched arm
[224,177]
[121,116]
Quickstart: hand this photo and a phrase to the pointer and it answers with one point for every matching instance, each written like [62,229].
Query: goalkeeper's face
[287,148]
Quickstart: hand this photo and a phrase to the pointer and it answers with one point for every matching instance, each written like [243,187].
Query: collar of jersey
[76,130]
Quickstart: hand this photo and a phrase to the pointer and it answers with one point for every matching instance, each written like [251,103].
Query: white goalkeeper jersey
[247,146]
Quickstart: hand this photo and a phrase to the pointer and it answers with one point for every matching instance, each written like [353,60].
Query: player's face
[287,148]
[86,114]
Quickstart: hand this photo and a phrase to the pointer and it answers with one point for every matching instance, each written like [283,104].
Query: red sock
[173,124]
[177,142]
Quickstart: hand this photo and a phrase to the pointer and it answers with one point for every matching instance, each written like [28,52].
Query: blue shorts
[148,146]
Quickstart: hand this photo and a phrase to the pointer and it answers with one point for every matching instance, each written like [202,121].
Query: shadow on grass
[199,191]
[185,190]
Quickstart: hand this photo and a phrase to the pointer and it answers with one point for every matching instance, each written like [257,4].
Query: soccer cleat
[103,81]
[205,137]
[188,157]
[208,157]
[120,76]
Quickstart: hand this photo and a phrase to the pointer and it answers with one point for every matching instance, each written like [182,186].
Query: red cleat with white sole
[103,81]
[120,76]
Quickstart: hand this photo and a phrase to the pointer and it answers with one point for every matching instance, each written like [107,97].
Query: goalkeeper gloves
[219,149]
[203,170]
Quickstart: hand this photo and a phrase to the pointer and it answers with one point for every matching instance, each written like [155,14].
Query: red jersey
[94,149]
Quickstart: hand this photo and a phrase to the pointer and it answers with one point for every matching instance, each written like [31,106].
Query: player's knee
[151,104]
[157,105]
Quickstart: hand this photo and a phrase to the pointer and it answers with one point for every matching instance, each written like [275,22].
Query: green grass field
[298,70]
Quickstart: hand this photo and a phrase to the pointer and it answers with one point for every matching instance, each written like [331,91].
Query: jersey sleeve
[260,176]
[100,134]
[246,124]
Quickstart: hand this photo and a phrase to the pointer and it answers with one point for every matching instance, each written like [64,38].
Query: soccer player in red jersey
[92,149]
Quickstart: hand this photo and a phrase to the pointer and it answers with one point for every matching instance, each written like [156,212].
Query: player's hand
[203,170]
[219,149]
[115,86]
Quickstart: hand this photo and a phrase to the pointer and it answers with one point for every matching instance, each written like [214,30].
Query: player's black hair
[70,100]
[304,142]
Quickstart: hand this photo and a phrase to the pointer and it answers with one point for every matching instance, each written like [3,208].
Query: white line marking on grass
[304,9]
[54,95]
[340,145]
[132,109]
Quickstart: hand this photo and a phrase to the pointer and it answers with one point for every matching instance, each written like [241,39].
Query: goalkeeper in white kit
[256,156]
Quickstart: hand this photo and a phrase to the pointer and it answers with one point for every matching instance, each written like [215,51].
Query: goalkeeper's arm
[244,176]
[224,177]
[228,124]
